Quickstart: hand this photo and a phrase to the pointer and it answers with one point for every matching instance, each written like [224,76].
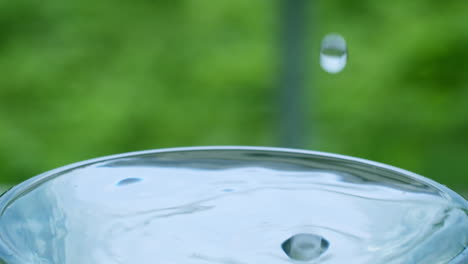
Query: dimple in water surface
[128,181]
[305,247]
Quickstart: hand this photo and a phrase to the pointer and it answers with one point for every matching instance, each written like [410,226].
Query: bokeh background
[82,79]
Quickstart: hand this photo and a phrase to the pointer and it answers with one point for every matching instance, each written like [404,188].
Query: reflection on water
[219,209]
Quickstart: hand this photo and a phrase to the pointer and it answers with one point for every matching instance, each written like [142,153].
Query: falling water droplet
[305,247]
[128,181]
[333,53]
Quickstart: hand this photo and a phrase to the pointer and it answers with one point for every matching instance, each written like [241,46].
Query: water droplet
[333,53]
[128,181]
[305,247]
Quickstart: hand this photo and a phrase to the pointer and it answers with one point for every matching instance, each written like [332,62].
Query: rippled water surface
[232,207]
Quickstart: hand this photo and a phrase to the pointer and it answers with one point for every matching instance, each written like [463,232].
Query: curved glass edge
[9,196]
[462,258]
[12,194]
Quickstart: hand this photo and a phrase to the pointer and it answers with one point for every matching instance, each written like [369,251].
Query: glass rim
[9,196]
[38,179]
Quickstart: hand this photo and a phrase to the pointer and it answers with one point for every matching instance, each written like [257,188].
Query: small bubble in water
[333,53]
[128,181]
[305,247]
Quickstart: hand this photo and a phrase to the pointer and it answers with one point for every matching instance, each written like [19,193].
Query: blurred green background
[81,79]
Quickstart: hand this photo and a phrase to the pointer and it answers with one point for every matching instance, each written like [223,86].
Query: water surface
[231,207]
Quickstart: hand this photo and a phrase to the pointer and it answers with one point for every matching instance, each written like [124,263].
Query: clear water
[333,53]
[231,207]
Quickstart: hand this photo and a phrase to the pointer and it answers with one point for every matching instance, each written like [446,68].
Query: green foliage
[88,78]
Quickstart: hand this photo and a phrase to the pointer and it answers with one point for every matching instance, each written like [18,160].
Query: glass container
[232,205]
